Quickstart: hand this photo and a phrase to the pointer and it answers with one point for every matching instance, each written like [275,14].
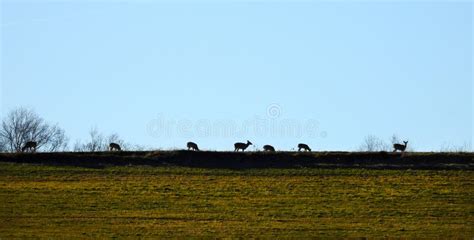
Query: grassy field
[139,201]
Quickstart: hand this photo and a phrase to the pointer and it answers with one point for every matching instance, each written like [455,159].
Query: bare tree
[98,142]
[465,147]
[373,144]
[2,146]
[22,125]
[394,139]
[115,138]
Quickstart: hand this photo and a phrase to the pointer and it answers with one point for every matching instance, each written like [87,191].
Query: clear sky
[273,72]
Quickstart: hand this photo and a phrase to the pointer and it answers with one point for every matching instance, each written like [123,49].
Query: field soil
[103,200]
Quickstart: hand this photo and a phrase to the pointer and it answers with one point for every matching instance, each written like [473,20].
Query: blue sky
[162,73]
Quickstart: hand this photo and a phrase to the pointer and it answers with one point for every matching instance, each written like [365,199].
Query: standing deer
[400,147]
[114,146]
[30,146]
[192,146]
[304,147]
[268,148]
[242,146]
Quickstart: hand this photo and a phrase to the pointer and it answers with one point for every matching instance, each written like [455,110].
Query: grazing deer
[304,147]
[30,146]
[268,148]
[400,147]
[242,146]
[192,146]
[114,146]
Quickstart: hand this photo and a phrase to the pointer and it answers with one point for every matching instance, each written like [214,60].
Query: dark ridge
[247,160]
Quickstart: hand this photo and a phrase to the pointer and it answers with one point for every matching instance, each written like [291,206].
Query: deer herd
[31,146]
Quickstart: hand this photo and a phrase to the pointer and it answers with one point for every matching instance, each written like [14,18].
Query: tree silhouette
[373,144]
[22,125]
[98,142]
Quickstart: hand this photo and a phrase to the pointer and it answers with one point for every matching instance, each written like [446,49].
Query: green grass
[64,202]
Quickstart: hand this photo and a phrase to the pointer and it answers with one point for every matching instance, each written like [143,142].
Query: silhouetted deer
[400,147]
[268,148]
[30,146]
[304,147]
[242,146]
[114,146]
[192,146]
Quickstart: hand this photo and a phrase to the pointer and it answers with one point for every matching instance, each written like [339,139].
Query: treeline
[23,125]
